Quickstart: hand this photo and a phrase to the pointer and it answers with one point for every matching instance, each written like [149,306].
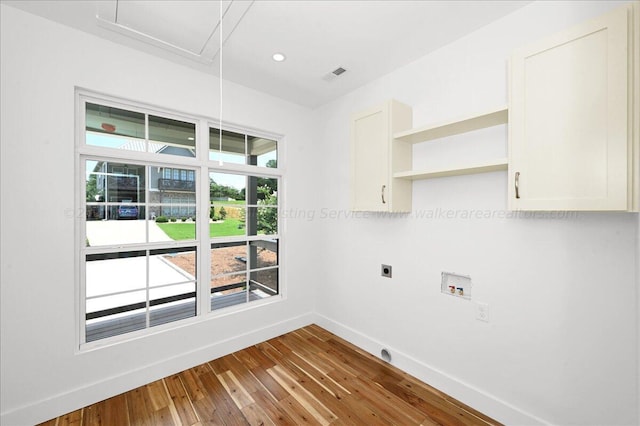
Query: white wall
[561,344]
[42,62]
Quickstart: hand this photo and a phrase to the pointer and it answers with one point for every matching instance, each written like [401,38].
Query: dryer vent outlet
[385,355]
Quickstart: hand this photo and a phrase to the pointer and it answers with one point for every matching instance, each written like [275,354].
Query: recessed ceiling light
[190,138]
[279,57]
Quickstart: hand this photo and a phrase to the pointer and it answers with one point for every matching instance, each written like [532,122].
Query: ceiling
[367,38]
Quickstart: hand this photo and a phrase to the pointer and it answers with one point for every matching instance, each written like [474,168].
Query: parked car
[126,211]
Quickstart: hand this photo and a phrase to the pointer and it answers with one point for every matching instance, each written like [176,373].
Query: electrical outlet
[385,271]
[482,311]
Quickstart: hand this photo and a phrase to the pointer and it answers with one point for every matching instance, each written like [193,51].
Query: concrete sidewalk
[110,232]
[128,276]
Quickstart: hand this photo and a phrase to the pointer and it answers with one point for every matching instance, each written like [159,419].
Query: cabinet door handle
[517,184]
[382,194]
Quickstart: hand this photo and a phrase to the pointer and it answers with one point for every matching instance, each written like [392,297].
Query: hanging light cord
[220,124]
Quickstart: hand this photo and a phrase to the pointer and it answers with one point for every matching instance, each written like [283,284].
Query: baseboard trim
[470,395]
[43,410]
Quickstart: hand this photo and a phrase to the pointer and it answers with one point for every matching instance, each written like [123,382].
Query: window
[239,148]
[155,248]
[244,248]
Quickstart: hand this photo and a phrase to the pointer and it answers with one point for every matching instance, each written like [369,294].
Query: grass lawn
[229,203]
[186,231]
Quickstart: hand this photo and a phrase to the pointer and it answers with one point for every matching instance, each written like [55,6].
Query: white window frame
[201,166]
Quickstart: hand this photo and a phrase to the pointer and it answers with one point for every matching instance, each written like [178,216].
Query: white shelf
[469,123]
[488,166]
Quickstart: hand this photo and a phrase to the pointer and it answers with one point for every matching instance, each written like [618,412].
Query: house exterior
[171,190]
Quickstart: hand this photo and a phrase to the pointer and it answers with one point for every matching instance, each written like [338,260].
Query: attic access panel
[186,27]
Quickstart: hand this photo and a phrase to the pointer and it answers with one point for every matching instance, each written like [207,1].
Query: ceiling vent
[338,71]
[333,74]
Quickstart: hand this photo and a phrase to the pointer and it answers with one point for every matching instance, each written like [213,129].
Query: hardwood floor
[308,376]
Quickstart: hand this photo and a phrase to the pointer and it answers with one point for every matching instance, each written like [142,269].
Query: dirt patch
[231,260]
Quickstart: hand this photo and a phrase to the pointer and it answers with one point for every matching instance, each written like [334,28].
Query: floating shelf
[488,166]
[465,124]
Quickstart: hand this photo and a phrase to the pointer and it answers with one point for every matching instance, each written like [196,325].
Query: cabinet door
[370,159]
[568,119]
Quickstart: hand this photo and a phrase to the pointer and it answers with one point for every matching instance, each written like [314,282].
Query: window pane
[114,128]
[114,182]
[115,209]
[227,204]
[228,290]
[172,303]
[172,222]
[123,182]
[264,283]
[262,221]
[173,137]
[115,272]
[262,152]
[115,293]
[173,212]
[238,148]
[263,253]
[228,257]
[114,223]
[231,149]
[266,190]
[228,283]
[114,325]
[227,188]
[172,266]
[228,195]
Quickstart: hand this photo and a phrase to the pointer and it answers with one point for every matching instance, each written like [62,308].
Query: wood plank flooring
[306,377]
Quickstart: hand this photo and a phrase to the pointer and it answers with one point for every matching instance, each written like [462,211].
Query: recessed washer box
[457,285]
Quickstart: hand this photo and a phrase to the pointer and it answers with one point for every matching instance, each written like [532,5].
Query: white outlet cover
[482,311]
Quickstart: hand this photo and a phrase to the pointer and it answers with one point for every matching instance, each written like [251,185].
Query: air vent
[338,71]
[333,74]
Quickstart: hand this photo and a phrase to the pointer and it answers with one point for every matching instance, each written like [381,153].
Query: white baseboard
[43,410]
[474,397]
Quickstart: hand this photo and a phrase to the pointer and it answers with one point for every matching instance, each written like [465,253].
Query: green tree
[223,191]
[268,217]
[270,183]
[92,187]
[223,213]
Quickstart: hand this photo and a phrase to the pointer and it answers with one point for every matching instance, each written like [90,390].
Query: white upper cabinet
[374,159]
[573,118]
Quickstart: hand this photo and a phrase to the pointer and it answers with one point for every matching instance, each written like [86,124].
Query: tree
[268,217]
[270,184]
[222,212]
[223,191]
[92,187]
